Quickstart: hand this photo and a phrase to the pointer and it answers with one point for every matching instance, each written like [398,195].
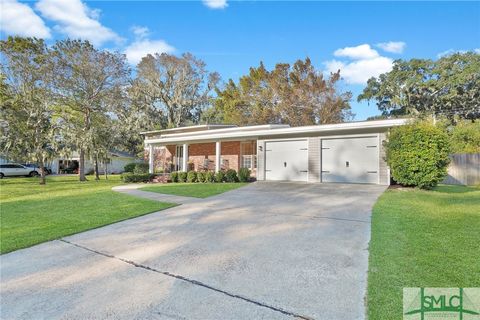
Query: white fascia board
[243,134]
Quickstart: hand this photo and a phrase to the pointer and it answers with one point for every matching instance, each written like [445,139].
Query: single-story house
[118,160]
[350,152]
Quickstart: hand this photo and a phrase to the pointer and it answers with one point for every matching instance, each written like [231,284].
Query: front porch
[207,156]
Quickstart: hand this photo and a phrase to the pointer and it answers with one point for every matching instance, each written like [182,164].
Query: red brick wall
[198,152]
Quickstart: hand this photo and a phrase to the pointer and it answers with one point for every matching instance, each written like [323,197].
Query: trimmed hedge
[244,175]
[209,176]
[141,168]
[191,176]
[182,176]
[220,176]
[130,177]
[231,176]
[418,154]
[129,167]
[174,176]
[201,176]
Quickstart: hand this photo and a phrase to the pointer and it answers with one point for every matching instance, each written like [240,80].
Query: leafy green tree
[174,89]
[295,94]
[27,122]
[449,87]
[89,83]
[465,136]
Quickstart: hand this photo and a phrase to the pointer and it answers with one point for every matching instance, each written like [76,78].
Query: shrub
[191,176]
[465,137]
[141,168]
[418,154]
[133,177]
[182,176]
[129,167]
[220,176]
[209,176]
[174,176]
[244,174]
[231,175]
[201,176]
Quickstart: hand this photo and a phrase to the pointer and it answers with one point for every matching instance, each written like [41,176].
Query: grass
[31,213]
[197,190]
[422,239]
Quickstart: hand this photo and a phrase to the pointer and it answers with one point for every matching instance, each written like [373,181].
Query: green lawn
[422,239]
[31,213]
[197,190]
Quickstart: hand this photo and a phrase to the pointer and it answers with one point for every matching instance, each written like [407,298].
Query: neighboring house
[117,162]
[346,152]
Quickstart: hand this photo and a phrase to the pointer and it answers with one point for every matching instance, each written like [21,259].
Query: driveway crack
[191,281]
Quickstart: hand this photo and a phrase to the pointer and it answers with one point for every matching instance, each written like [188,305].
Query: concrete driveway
[265,251]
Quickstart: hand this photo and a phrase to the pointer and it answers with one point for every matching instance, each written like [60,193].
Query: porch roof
[273,131]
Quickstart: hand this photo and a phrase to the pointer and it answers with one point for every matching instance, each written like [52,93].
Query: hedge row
[136,177]
[229,175]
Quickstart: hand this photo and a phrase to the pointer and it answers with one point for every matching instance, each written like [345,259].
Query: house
[118,160]
[349,152]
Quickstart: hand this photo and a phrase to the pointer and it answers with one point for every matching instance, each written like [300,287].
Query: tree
[449,86]
[176,89]
[26,105]
[465,137]
[89,83]
[293,94]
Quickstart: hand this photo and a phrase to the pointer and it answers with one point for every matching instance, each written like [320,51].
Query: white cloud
[359,71]
[362,63]
[143,46]
[476,50]
[392,46]
[77,20]
[215,4]
[19,19]
[140,32]
[363,51]
[453,51]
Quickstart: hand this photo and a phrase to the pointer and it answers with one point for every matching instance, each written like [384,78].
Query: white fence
[464,169]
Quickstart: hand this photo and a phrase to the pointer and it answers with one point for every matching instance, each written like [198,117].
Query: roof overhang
[275,131]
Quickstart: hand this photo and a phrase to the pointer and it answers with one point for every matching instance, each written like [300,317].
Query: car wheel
[33,174]
[1,175]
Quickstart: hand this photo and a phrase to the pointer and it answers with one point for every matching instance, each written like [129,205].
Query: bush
[220,176]
[174,176]
[418,154]
[141,168]
[201,176]
[133,177]
[231,176]
[182,176]
[209,176]
[129,167]
[191,176]
[244,175]
[465,137]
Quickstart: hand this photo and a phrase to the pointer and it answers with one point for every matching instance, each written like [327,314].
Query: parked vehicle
[37,168]
[15,169]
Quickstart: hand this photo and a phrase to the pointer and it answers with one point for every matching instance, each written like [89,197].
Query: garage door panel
[350,160]
[286,160]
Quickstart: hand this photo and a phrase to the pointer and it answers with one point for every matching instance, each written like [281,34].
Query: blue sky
[360,38]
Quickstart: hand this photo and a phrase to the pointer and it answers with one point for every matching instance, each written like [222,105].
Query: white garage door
[286,160]
[353,160]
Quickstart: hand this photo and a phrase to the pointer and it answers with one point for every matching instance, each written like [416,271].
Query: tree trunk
[96,168]
[42,171]
[105,168]
[81,166]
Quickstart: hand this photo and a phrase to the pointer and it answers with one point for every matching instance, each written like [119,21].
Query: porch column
[185,158]
[150,158]
[218,152]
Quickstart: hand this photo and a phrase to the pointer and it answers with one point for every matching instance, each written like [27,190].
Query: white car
[15,169]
